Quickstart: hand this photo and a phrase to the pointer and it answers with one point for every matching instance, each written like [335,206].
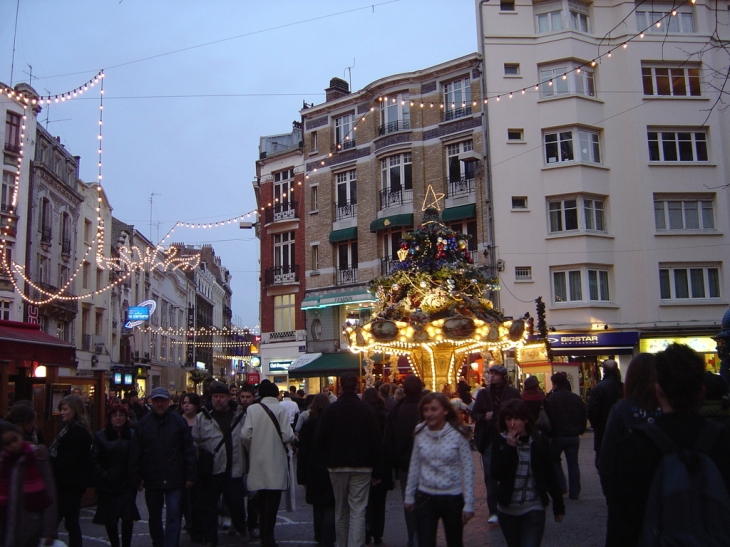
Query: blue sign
[139,313]
[279,366]
[591,339]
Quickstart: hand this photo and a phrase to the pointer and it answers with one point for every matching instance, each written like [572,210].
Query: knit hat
[220,388]
[532,382]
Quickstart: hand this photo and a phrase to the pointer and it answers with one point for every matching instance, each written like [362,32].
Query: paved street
[584,523]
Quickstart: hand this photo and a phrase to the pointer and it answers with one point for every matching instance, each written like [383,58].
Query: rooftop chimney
[338,88]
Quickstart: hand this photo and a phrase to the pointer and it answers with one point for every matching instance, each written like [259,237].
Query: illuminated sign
[150,305]
[255,361]
[141,313]
[127,379]
[279,366]
[118,378]
[701,344]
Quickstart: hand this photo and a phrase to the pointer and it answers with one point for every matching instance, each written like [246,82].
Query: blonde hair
[76,405]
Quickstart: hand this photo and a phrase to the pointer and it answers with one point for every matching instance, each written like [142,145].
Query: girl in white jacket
[441,474]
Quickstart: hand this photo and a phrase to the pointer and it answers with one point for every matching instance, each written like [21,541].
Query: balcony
[286,336]
[387,264]
[12,148]
[63,308]
[282,275]
[281,211]
[392,127]
[347,277]
[455,113]
[461,186]
[346,144]
[391,197]
[345,209]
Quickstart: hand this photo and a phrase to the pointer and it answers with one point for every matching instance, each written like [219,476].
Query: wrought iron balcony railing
[280,275]
[395,197]
[461,186]
[345,209]
[392,127]
[387,264]
[281,211]
[347,277]
[455,113]
[346,144]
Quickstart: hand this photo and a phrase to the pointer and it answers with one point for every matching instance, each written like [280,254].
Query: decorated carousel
[433,308]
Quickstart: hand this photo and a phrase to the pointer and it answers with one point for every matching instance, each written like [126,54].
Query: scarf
[53,449]
[524,490]
[35,496]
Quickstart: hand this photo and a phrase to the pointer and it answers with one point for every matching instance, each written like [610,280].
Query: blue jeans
[172,499]
[489,482]
[570,446]
[429,509]
[523,531]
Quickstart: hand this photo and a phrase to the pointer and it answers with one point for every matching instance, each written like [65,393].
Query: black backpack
[688,504]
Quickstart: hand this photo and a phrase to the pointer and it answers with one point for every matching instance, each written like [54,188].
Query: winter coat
[164,452]
[23,528]
[398,438]
[350,435]
[607,393]
[111,457]
[311,469]
[485,430]
[504,467]
[568,410]
[268,464]
[207,434]
[72,462]
[535,400]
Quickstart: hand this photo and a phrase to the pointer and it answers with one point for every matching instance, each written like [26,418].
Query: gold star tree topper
[434,199]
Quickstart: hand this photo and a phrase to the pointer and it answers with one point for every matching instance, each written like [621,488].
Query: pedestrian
[305,413]
[27,491]
[164,465]
[375,510]
[522,466]
[233,390]
[350,437]
[568,424]
[111,457]
[716,403]
[607,393]
[266,434]
[398,441]
[191,507]
[291,407]
[132,415]
[71,459]
[327,390]
[217,430]
[485,413]
[536,401]
[679,389]
[23,415]
[640,406]
[313,475]
[385,393]
[440,473]
[246,397]
[136,406]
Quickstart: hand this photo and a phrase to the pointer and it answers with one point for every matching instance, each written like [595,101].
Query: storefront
[323,369]
[704,345]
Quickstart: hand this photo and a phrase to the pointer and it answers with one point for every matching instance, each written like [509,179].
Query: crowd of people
[227,458]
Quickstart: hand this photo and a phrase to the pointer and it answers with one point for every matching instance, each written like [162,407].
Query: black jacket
[164,452]
[349,434]
[607,393]
[72,462]
[485,430]
[504,467]
[311,468]
[398,437]
[111,457]
[568,413]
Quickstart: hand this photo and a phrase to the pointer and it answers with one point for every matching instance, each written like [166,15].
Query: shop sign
[279,366]
[255,361]
[190,350]
[140,313]
[701,344]
[253,378]
[589,339]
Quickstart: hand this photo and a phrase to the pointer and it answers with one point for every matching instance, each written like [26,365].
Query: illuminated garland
[68,95]
[202,331]
[213,344]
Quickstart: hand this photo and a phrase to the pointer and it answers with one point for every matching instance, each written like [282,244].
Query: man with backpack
[673,476]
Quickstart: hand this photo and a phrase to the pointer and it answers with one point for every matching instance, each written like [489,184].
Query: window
[63,276]
[284,258]
[44,269]
[523,273]
[284,313]
[66,234]
[87,231]
[552,17]
[12,131]
[396,180]
[313,192]
[344,133]
[515,134]
[677,146]
[568,285]
[163,348]
[283,185]
[346,205]
[674,21]
[519,202]
[395,114]
[8,185]
[347,263]
[683,214]
[315,257]
[5,306]
[313,141]
[391,241]
[467,227]
[507,5]
[566,79]
[99,278]
[153,346]
[688,283]
[671,81]
[46,220]
[559,146]
[578,20]
[85,275]
[460,173]
[564,215]
[551,21]
[99,323]
[512,69]
[457,99]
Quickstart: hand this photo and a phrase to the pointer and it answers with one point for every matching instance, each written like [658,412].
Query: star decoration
[402,254]
[435,198]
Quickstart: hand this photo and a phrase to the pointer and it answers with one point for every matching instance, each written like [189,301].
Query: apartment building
[609,171]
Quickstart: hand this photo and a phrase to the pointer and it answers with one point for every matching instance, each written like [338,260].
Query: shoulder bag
[206,458]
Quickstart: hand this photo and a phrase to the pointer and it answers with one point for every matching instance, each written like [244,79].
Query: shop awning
[27,342]
[328,364]
[347,297]
[343,235]
[395,221]
[303,360]
[310,302]
[459,213]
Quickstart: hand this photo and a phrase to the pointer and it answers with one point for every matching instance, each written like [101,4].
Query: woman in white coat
[268,455]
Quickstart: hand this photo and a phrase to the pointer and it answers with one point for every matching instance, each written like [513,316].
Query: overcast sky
[190,87]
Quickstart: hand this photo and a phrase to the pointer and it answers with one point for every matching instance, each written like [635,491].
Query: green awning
[329,364]
[459,213]
[310,302]
[396,221]
[346,297]
[343,235]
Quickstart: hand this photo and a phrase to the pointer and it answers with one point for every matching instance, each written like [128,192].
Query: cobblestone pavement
[584,523]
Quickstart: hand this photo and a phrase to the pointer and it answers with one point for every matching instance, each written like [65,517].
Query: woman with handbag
[538,404]
[117,496]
